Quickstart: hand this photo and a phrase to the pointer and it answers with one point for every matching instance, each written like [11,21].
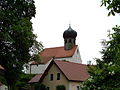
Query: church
[69,52]
[60,66]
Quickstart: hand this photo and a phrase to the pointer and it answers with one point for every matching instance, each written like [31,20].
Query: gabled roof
[72,71]
[56,52]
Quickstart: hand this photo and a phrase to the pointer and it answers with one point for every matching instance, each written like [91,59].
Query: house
[68,74]
[69,52]
[2,79]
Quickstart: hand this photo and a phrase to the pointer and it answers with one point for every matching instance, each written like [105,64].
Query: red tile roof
[73,71]
[57,52]
[46,59]
[35,79]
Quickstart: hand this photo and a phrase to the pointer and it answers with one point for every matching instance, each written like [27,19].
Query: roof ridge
[56,47]
[71,62]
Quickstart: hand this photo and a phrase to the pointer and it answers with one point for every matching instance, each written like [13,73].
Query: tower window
[77,51]
[70,41]
[65,41]
[58,76]
[74,41]
[51,77]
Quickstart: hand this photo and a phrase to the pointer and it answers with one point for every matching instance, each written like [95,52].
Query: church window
[65,41]
[77,51]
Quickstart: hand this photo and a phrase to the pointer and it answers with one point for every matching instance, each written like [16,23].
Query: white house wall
[73,85]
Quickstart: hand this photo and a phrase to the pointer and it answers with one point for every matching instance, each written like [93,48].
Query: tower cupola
[69,36]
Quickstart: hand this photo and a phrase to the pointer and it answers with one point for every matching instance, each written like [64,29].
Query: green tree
[17,42]
[113,6]
[105,75]
[22,83]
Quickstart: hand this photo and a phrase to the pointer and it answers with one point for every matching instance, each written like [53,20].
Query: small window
[77,51]
[78,88]
[48,88]
[51,77]
[58,76]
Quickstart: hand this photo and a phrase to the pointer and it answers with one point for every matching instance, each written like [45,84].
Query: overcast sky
[85,16]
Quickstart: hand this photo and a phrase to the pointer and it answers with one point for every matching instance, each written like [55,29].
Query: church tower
[69,36]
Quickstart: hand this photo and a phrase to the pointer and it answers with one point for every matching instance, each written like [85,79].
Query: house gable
[54,71]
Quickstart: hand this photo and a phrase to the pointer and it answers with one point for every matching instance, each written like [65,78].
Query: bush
[40,87]
[60,87]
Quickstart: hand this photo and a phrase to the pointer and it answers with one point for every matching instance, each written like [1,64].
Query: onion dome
[69,33]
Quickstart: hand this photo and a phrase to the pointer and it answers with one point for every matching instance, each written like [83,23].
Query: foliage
[40,87]
[60,87]
[105,75]
[112,5]
[23,81]
[17,42]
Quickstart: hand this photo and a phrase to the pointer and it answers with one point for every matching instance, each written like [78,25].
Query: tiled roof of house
[57,52]
[35,79]
[73,71]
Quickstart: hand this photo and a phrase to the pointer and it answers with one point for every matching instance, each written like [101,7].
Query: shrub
[60,87]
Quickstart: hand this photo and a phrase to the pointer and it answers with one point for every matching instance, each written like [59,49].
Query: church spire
[69,36]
